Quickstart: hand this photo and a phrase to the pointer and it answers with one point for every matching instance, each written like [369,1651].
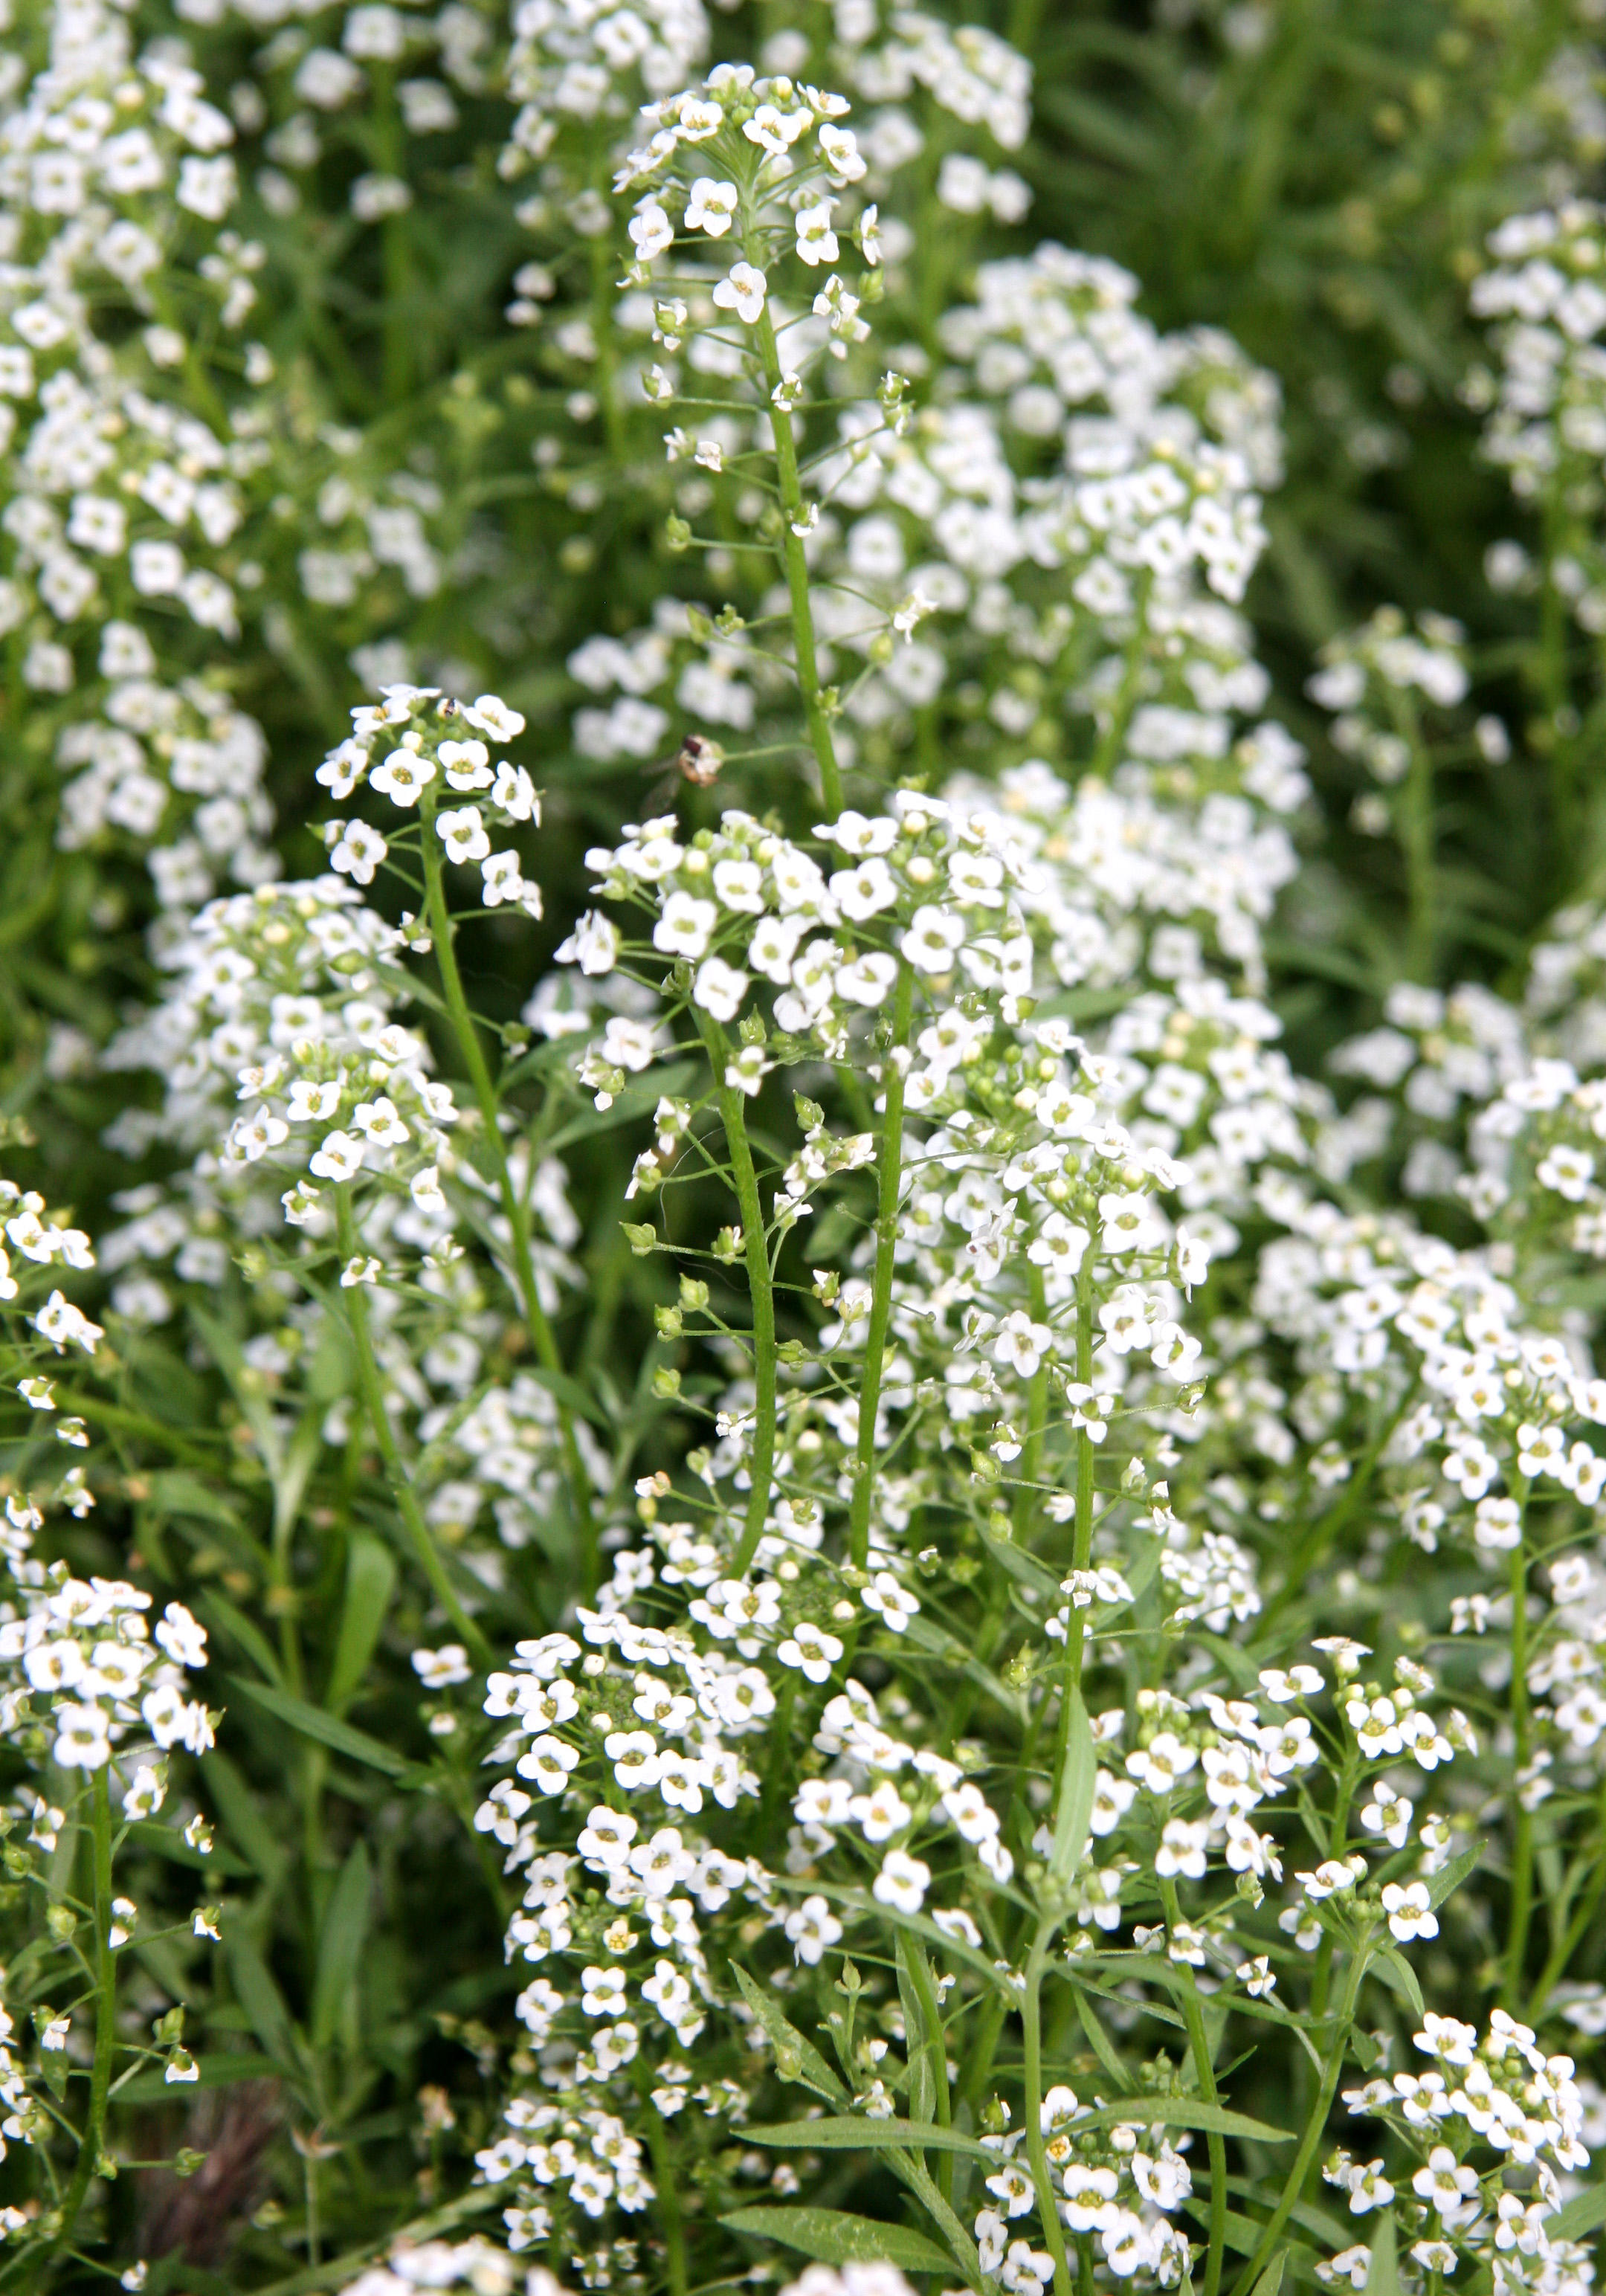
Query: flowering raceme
[902,1583]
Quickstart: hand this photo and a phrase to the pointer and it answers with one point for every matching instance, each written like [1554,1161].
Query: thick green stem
[1314,2129]
[105,2013]
[796,565]
[1522,1845]
[514,1208]
[373,1390]
[890,1167]
[1204,2072]
[755,1245]
[1031,2027]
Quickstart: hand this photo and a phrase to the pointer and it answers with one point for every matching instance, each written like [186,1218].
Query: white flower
[868,981]
[862,892]
[593,944]
[742,292]
[651,231]
[378,1121]
[776,131]
[1019,1344]
[82,1741]
[685,926]
[438,1670]
[1409,1910]
[464,834]
[816,240]
[359,852]
[811,1650]
[63,1324]
[719,988]
[403,777]
[811,1927]
[710,206]
[503,880]
[337,1157]
[902,1882]
[842,157]
[933,939]
[895,1604]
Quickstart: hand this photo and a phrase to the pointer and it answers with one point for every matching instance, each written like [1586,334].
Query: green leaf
[167,1842]
[918,1925]
[813,2069]
[922,2087]
[926,1635]
[340,1947]
[636,1099]
[1400,1978]
[216,2070]
[829,2238]
[173,1492]
[567,1391]
[312,1722]
[223,1618]
[248,1391]
[1382,2274]
[918,2177]
[1271,2279]
[370,1581]
[1023,1567]
[850,2133]
[1103,2047]
[1451,1876]
[1076,1782]
[1579,2218]
[241,1814]
[259,1996]
[1179,2112]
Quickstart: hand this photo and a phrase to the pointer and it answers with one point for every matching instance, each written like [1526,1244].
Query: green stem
[1082,1535]
[1338,1833]
[936,2051]
[105,2013]
[603,258]
[890,1165]
[1522,1847]
[401,329]
[796,565]
[1031,2027]
[1108,754]
[1315,2128]
[516,1211]
[1036,1421]
[668,2199]
[1205,2073]
[1582,1922]
[384,1434]
[755,1244]
[1414,819]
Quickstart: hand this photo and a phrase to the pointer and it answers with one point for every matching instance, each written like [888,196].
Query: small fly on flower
[698,761]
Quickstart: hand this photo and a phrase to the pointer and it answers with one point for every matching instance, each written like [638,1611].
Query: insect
[698,760]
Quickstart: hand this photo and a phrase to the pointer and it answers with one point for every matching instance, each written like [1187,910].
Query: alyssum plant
[1043,1727]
